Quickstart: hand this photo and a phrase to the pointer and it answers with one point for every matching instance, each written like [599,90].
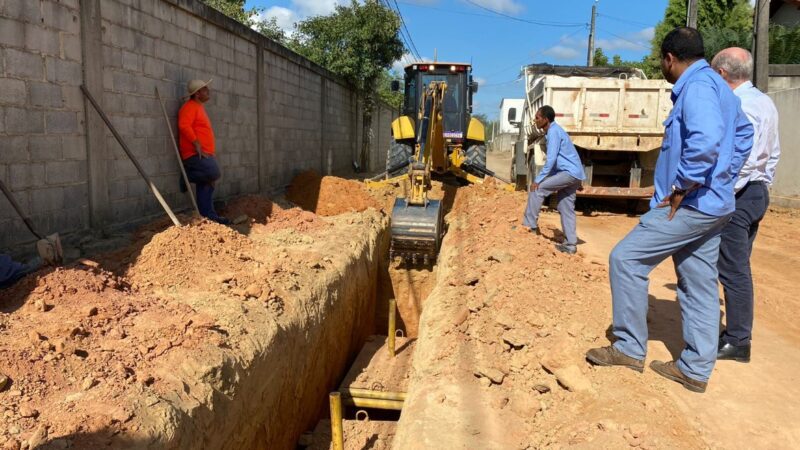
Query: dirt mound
[188,255]
[267,216]
[329,196]
[50,287]
[75,341]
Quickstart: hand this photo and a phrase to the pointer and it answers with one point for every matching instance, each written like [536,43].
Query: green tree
[236,10]
[270,29]
[393,99]
[784,45]
[723,23]
[600,59]
[358,42]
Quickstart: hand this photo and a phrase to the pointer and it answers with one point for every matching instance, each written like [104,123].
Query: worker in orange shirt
[197,148]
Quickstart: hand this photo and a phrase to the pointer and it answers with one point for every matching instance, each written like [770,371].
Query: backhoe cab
[462,150]
[435,135]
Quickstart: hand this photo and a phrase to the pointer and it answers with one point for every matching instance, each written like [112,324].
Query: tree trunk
[366,141]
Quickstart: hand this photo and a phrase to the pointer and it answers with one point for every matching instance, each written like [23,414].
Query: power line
[408,33]
[639,44]
[561,39]
[405,37]
[501,16]
[627,21]
[534,22]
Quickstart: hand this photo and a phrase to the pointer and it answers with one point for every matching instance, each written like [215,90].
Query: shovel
[49,247]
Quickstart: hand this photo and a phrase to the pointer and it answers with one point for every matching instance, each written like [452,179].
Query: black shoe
[535,230]
[565,248]
[740,353]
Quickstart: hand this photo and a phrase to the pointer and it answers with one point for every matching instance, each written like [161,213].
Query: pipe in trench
[374,403]
[392,326]
[367,393]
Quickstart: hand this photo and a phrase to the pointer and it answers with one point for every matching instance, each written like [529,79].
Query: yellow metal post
[337,433]
[392,325]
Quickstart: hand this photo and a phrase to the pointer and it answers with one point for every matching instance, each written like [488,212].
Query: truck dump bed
[614,117]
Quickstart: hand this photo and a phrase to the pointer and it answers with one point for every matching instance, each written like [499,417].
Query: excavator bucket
[416,231]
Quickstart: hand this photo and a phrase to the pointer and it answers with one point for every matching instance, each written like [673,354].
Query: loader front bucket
[416,231]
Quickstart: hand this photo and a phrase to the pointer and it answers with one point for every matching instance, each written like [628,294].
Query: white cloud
[562,52]
[400,65]
[315,7]
[300,10]
[284,17]
[573,47]
[503,6]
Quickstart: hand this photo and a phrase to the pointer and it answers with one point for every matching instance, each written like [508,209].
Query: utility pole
[691,14]
[761,46]
[590,52]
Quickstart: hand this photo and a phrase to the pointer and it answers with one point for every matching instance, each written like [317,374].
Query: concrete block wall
[148,45]
[42,146]
[785,190]
[274,113]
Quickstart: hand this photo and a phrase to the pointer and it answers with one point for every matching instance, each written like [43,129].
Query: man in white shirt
[735,65]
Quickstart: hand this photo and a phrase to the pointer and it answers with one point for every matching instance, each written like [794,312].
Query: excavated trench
[204,337]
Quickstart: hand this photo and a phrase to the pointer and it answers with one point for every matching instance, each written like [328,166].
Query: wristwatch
[678,191]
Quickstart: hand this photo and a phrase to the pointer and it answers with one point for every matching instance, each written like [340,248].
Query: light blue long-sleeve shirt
[706,141]
[561,155]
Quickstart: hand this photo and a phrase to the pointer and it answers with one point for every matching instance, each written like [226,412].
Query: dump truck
[614,116]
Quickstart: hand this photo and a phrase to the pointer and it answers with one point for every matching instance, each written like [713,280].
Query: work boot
[535,230]
[740,353]
[670,371]
[566,248]
[3,381]
[610,356]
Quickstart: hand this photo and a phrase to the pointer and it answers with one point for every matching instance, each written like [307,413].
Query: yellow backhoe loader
[436,136]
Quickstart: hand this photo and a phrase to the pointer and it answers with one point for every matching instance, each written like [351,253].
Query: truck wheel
[397,158]
[476,157]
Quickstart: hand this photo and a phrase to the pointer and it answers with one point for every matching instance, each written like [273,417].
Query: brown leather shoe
[610,356]
[670,370]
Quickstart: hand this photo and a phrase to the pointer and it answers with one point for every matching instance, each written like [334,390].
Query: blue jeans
[567,186]
[692,239]
[734,262]
[203,173]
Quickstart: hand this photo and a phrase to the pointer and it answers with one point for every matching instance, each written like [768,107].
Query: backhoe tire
[475,156]
[398,158]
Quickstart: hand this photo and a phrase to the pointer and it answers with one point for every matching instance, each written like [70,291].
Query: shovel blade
[50,250]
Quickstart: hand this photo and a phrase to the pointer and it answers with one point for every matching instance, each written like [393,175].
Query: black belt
[761,182]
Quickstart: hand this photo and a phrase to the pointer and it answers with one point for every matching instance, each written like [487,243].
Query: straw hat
[195,85]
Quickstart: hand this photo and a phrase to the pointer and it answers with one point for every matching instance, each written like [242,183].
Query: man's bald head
[734,64]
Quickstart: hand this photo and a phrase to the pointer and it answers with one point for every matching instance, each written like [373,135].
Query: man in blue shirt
[561,173]
[706,141]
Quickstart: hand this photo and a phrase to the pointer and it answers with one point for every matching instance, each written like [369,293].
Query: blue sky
[537,31]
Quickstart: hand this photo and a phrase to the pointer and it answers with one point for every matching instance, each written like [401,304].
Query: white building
[506,134]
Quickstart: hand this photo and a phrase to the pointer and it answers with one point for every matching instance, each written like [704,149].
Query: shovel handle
[16,206]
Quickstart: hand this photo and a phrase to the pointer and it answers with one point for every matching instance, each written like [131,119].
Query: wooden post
[691,14]
[761,46]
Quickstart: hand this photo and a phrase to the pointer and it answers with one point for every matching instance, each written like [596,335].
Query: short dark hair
[548,113]
[684,43]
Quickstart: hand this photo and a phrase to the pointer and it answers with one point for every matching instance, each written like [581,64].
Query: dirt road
[747,405]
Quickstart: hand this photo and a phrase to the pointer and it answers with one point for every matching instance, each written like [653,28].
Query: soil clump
[329,196]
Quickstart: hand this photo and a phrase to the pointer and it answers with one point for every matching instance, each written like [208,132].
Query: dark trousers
[203,173]
[734,262]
